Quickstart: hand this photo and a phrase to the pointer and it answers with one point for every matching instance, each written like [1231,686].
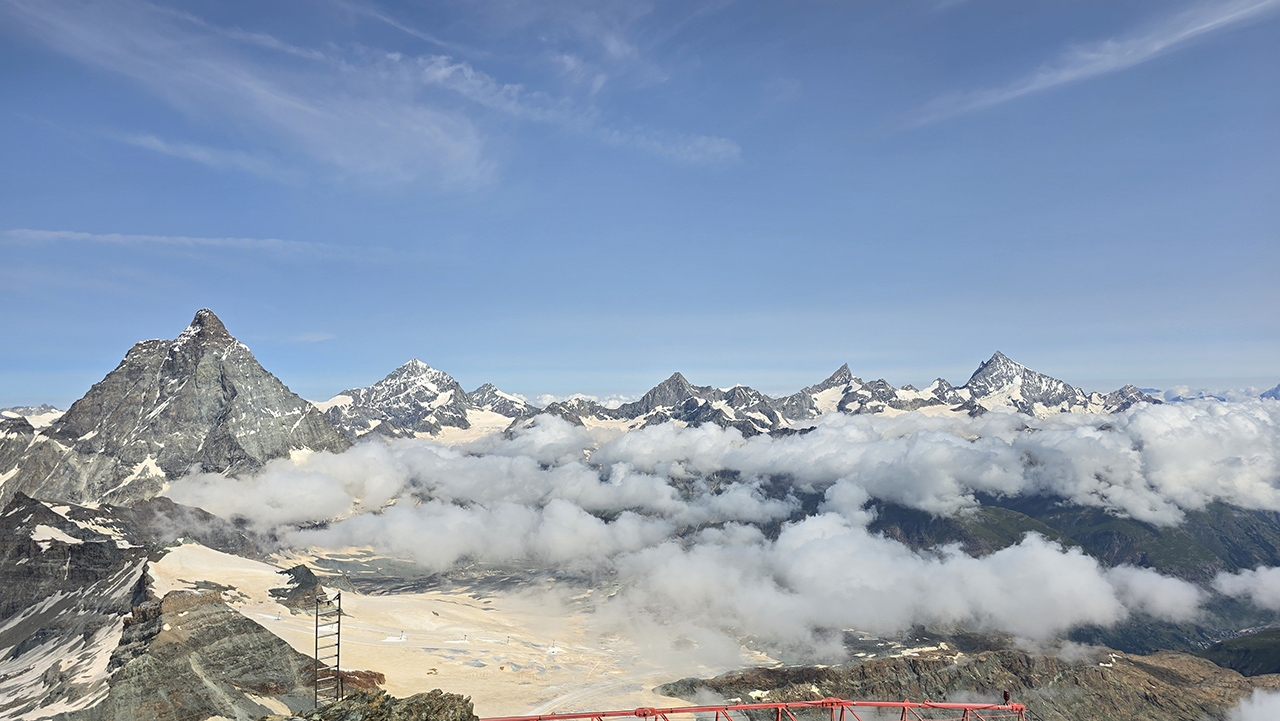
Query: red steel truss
[841,710]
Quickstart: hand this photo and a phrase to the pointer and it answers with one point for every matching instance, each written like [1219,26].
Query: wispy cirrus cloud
[340,115]
[514,100]
[366,113]
[1081,62]
[296,247]
[213,157]
[369,11]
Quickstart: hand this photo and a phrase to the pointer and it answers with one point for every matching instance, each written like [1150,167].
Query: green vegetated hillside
[1252,655]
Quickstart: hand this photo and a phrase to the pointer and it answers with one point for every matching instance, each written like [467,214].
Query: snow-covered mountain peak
[413,365]
[998,363]
[417,399]
[1273,394]
[677,380]
[1004,383]
[489,398]
[416,370]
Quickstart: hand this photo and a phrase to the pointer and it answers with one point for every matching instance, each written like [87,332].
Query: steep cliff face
[70,577]
[190,657]
[66,583]
[201,400]
[1164,686]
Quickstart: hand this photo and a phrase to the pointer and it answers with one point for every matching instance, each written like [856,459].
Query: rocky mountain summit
[844,392]
[488,398]
[416,399]
[200,399]
[1003,383]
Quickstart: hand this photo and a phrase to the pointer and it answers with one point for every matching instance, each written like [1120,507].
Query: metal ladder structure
[328,681]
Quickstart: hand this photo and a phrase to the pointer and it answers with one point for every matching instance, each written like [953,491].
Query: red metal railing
[840,710]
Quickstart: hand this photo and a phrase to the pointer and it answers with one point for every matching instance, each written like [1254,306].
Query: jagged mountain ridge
[678,400]
[999,383]
[416,399]
[200,399]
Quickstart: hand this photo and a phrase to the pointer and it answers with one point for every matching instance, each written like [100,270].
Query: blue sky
[566,197]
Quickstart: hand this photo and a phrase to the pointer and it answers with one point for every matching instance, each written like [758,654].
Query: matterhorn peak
[205,325]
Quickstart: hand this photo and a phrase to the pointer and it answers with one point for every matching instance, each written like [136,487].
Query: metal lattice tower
[328,682]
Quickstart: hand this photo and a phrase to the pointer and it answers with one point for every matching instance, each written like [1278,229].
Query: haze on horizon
[587,196]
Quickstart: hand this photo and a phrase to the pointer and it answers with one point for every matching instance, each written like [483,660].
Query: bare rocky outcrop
[379,706]
[1099,684]
[190,656]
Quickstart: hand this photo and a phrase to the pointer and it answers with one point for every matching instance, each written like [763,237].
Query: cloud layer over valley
[721,537]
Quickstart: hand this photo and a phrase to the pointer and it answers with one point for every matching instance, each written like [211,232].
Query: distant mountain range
[202,400]
[416,399]
[998,383]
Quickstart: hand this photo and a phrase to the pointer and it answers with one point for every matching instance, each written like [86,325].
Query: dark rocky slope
[190,656]
[1252,654]
[65,588]
[73,599]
